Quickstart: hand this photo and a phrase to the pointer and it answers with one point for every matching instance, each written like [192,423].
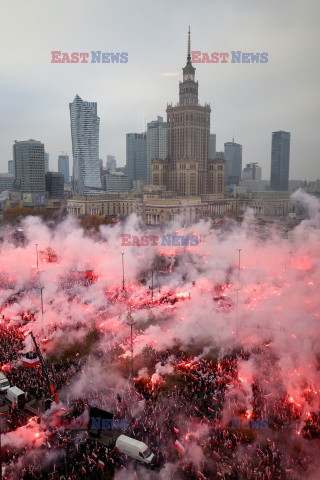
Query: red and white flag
[100,464]
[83,470]
[175,430]
[179,447]
[94,456]
[30,362]
[210,410]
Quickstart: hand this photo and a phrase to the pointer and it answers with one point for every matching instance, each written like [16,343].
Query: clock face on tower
[189,77]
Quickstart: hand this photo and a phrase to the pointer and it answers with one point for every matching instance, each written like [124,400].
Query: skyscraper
[136,156]
[63,167]
[186,168]
[280,157]
[156,142]
[46,162]
[212,145]
[85,147]
[111,163]
[10,166]
[55,184]
[28,158]
[233,165]
[252,171]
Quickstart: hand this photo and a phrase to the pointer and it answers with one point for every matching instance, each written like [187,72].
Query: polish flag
[100,464]
[84,457]
[175,430]
[94,456]
[214,399]
[210,410]
[30,360]
[179,447]
[83,470]
[216,454]
[206,420]
[196,409]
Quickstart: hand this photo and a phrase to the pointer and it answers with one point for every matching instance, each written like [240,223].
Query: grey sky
[251,100]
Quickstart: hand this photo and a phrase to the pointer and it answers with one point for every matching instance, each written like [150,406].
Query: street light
[122,253]
[130,322]
[37,257]
[41,288]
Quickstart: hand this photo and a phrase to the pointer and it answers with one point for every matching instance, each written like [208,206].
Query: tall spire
[189,43]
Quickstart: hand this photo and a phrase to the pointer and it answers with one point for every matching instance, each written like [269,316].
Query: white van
[4,382]
[16,396]
[134,449]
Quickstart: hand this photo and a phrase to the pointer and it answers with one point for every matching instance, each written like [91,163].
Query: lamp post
[152,285]
[130,322]
[37,257]
[122,253]
[41,288]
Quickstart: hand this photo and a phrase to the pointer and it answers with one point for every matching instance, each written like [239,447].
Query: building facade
[212,146]
[55,184]
[10,167]
[28,158]
[6,182]
[233,165]
[63,167]
[252,171]
[280,158]
[116,182]
[156,143]
[46,162]
[136,156]
[111,163]
[85,147]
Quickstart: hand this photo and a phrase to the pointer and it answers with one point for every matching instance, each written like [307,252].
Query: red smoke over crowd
[225,340]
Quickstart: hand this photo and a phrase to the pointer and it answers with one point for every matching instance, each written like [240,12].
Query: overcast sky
[248,101]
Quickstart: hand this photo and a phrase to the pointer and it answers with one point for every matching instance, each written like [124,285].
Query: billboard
[27,197]
[40,199]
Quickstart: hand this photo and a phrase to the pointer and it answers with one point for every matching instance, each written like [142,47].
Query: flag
[179,447]
[100,464]
[94,456]
[175,430]
[83,470]
[48,445]
[210,410]
[206,420]
[216,454]
[196,409]
[30,360]
[84,457]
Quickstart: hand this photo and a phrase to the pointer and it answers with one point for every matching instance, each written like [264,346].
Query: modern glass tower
[280,156]
[136,153]
[233,166]
[156,142]
[85,147]
[63,166]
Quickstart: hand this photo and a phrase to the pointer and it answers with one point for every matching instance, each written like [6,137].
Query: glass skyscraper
[233,165]
[63,166]
[85,147]
[156,142]
[136,155]
[280,156]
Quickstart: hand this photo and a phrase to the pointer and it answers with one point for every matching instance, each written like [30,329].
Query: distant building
[280,157]
[111,163]
[156,142]
[252,171]
[10,166]
[6,181]
[233,165]
[63,167]
[116,182]
[136,156]
[122,170]
[28,157]
[46,162]
[212,145]
[55,184]
[85,147]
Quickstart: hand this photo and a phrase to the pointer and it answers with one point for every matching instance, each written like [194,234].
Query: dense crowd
[189,407]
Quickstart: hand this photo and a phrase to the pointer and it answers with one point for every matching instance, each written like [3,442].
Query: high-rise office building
[233,165]
[28,157]
[46,162]
[186,168]
[136,156]
[10,166]
[6,181]
[85,147]
[156,142]
[280,157]
[111,163]
[116,182]
[55,184]
[212,145]
[63,167]
[252,171]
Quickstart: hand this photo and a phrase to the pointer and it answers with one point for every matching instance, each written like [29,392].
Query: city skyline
[278,95]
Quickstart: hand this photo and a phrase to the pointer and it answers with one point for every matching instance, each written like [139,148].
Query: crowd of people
[188,408]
